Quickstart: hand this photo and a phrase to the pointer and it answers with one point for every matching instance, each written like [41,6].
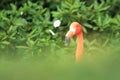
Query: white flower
[57,23]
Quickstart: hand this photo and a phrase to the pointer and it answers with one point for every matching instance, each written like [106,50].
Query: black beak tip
[67,41]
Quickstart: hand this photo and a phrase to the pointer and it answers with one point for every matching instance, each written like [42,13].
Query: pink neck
[79,50]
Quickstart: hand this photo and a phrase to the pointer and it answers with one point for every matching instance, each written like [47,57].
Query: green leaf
[105,43]
[10,29]
[99,21]
[30,43]
[95,28]
[104,8]
[5,42]
[95,4]
[20,22]
[84,29]
[22,47]
[32,33]
[91,43]
[13,7]
[87,25]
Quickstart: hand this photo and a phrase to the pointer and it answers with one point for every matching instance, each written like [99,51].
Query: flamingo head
[75,28]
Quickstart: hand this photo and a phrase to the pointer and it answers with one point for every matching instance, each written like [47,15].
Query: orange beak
[68,36]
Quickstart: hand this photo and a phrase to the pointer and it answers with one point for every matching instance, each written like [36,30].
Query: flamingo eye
[72,29]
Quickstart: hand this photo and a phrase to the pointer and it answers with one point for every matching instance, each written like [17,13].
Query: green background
[27,48]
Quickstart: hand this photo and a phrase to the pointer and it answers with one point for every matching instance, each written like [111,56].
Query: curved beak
[68,36]
[67,41]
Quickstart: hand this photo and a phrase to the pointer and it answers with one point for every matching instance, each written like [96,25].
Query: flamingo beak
[67,41]
[68,36]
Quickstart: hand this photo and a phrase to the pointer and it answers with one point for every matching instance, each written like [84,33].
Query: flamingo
[76,29]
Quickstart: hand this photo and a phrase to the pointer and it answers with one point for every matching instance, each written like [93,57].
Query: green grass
[98,63]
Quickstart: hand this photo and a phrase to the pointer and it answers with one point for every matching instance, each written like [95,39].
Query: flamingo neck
[79,50]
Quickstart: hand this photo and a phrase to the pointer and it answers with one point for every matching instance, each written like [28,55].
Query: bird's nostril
[67,41]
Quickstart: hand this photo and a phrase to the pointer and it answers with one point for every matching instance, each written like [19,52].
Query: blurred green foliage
[28,51]
[25,24]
